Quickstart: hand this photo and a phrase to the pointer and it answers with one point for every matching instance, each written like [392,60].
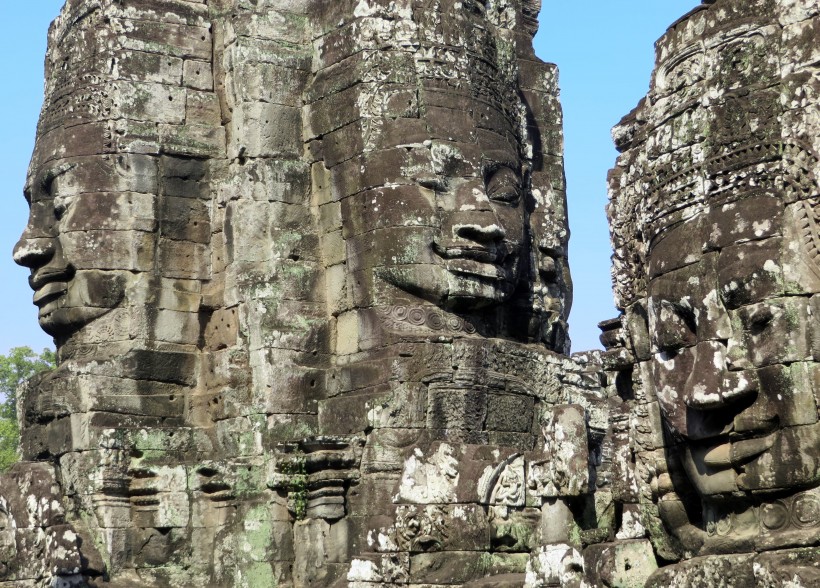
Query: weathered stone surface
[712,210]
[627,564]
[305,264]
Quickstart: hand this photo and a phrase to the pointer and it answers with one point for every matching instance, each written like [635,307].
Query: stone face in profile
[105,218]
[713,212]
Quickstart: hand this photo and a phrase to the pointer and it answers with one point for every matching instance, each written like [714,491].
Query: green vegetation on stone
[20,364]
[296,472]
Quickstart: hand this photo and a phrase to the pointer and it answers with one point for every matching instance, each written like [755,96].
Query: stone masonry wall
[305,265]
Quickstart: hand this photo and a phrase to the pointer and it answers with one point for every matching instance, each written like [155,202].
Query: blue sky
[604,50]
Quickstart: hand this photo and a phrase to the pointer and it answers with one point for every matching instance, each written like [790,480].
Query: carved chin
[90,295]
[66,321]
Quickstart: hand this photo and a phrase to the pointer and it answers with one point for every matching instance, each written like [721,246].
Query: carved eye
[50,176]
[432,183]
[60,208]
[504,185]
[760,319]
[47,184]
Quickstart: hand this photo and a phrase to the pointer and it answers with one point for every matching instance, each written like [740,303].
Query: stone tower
[714,206]
[305,265]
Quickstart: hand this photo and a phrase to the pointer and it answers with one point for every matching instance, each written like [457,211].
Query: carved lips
[49,286]
[484,262]
[738,452]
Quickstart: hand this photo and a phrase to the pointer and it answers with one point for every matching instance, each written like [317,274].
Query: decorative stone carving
[565,471]
[712,212]
[316,473]
[305,266]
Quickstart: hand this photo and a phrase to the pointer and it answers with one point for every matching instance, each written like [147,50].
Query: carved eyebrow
[490,167]
[436,183]
[53,173]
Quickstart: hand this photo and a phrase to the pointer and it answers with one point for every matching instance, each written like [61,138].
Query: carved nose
[33,253]
[481,233]
[711,385]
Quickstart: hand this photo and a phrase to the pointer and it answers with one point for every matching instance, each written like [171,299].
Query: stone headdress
[723,121]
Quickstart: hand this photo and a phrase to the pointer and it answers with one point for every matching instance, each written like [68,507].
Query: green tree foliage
[9,440]
[18,366]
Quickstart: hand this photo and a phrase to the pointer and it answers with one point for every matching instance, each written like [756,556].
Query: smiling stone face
[714,219]
[454,233]
[732,363]
[445,162]
[78,242]
[89,234]
[117,184]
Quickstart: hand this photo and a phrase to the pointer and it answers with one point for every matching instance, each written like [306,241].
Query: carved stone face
[732,360]
[445,215]
[441,182]
[113,157]
[714,217]
[80,240]
[460,234]
[86,236]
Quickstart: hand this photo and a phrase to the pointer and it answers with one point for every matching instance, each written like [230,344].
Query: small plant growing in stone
[295,472]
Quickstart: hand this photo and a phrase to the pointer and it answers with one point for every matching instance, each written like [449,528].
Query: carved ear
[624,133]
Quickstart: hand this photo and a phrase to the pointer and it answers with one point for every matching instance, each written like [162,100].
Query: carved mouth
[491,255]
[735,453]
[483,262]
[49,285]
[472,268]
[49,293]
[213,486]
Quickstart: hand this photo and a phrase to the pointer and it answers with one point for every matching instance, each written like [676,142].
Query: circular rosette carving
[435,320]
[806,511]
[454,324]
[416,317]
[423,319]
[774,516]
